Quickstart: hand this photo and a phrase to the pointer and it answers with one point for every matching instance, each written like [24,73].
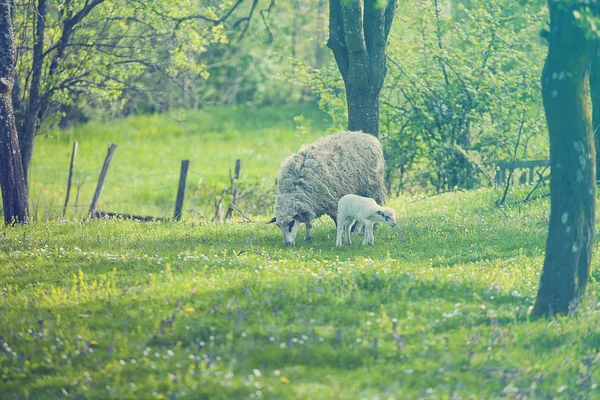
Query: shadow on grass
[269,320]
[336,306]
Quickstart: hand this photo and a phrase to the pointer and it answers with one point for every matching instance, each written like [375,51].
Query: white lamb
[365,211]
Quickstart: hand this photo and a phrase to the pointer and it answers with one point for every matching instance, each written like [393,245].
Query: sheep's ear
[273,220]
[302,217]
[379,212]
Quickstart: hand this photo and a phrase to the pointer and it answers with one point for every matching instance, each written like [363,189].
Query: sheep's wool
[312,181]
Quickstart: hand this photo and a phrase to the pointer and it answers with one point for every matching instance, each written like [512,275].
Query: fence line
[154,190]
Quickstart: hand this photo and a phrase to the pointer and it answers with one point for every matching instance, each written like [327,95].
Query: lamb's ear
[273,220]
[379,212]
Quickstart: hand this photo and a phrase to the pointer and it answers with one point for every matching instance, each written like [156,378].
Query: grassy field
[109,309]
[144,172]
[437,308]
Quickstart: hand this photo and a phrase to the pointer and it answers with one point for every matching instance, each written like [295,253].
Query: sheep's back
[333,166]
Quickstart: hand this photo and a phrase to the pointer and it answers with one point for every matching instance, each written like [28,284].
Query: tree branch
[246,19]
[264,19]
[336,41]
[354,36]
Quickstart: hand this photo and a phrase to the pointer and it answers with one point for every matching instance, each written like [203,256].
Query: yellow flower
[285,380]
[189,309]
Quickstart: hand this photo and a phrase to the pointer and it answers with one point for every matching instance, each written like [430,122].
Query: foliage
[94,59]
[460,74]
[462,83]
[326,83]
[437,308]
[251,70]
[462,79]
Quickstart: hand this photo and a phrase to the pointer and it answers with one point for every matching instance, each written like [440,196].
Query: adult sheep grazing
[312,181]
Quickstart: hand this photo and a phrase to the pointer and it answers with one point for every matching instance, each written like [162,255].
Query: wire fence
[151,193]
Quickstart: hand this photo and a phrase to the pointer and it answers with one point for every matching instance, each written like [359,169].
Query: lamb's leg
[347,227]
[368,232]
[307,235]
[340,230]
[358,228]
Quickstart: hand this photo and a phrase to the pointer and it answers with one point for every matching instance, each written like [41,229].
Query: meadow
[437,309]
[144,172]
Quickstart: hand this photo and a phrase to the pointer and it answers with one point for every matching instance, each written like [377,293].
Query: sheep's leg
[334,218]
[358,228]
[372,236]
[307,235]
[340,230]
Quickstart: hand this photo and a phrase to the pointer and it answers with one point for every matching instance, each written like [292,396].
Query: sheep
[365,211]
[311,182]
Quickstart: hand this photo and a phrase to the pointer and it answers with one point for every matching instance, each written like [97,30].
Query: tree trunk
[29,128]
[363,110]
[12,182]
[38,103]
[565,80]
[358,41]
[595,92]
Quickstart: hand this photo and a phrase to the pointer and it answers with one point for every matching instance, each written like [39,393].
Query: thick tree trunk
[363,110]
[595,92]
[565,80]
[29,128]
[12,182]
[358,39]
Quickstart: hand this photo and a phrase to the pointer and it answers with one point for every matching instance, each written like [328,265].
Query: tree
[12,182]
[93,50]
[595,94]
[358,40]
[34,104]
[456,82]
[565,85]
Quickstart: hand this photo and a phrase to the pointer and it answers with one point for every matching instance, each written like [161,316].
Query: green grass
[437,308]
[144,172]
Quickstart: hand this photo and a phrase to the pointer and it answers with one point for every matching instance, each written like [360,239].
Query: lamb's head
[289,214]
[385,215]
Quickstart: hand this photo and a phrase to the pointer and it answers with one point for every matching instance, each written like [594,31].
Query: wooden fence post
[531,175]
[181,190]
[71,166]
[234,189]
[109,156]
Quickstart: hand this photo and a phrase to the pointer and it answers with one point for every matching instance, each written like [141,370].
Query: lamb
[363,210]
[312,181]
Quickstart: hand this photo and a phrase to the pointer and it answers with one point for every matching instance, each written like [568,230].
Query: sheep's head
[289,214]
[385,215]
